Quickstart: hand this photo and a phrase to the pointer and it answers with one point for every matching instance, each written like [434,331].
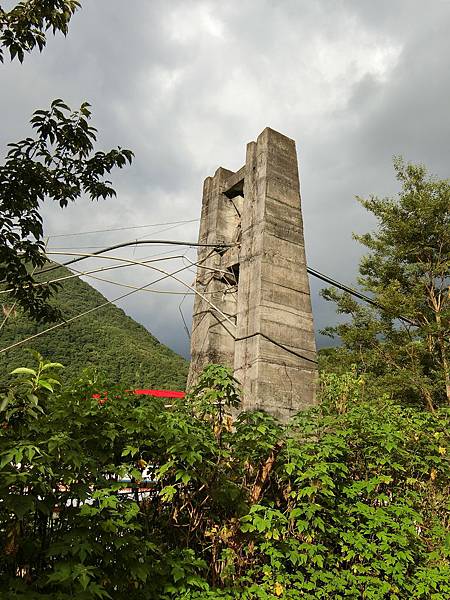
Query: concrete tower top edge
[267,134]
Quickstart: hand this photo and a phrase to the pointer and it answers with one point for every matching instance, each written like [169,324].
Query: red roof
[160,393]
[155,393]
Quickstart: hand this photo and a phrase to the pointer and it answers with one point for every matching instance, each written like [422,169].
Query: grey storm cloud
[186,84]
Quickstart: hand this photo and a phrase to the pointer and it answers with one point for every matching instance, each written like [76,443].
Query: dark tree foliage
[58,164]
[24,27]
[404,343]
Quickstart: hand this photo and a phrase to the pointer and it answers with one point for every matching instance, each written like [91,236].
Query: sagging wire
[83,255]
[84,313]
[88,273]
[89,247]
[186,328]
[137,262]
[165,276]
[77,233]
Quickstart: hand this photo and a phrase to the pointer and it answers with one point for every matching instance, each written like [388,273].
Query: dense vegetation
[350,500]
[107,340]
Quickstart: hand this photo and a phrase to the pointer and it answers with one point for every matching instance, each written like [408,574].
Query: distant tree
[59,163]
[405,342]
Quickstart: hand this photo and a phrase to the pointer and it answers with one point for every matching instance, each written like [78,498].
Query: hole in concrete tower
[231,277]
[238,204]
[234,269]
[235,190]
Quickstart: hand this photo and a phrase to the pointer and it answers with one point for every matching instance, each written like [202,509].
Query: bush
[349,500]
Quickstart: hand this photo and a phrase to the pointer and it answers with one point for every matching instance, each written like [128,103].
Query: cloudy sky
[187,83]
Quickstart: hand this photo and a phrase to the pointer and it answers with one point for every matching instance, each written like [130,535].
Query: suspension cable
[165,276]
[353,292]
[83,256]
[137,262]
[76,233]
[88,273]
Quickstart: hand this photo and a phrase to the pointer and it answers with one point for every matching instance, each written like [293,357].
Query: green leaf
[52,365]
[45,384]
[6,400]
[23,371]
[168,492]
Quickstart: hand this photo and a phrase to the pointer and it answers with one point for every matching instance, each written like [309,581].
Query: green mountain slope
[121,349]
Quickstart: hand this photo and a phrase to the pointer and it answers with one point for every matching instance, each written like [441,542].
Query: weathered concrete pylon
[261,324]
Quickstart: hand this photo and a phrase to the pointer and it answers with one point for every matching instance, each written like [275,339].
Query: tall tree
[59,163]
[404,340]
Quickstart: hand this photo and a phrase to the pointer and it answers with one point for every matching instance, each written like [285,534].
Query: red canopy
[161,393]
[156,393]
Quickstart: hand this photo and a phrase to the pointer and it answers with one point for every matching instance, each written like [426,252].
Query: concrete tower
[254,314]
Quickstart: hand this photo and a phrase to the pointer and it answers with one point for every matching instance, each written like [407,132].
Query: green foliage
[58,164]
[215,392]
[24,27]
[406,273]
[112,346]
[349,500]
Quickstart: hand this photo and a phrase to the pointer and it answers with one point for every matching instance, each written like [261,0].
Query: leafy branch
[24,27]
[58,164]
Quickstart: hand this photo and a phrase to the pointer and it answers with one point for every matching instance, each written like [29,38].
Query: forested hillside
[119,348]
